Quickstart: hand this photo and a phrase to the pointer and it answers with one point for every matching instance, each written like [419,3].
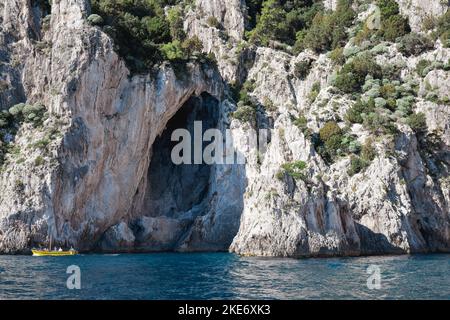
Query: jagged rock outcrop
[97,173]
[397,205]
[418,11]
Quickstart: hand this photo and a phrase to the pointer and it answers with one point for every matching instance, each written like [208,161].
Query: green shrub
[245,113]
[393,25]
[356,165]
[270,24]
[429,22]
[364,34]
[280,20]
[293,169]
[368,152]
[175,20]
[353,74]
[414,44]
[379,49]
[404,105]
[140,29]
[329,143]
[329,130]
[315,90]
[173,51]
[388,8]
[39,161]
[328,31]
[388,91]
[28,113]
[17,109]
[378,123]
[421,66]
[351,51]
[417,122]
[269,105]
[302,69]
[334,142]
[42,144]
[356,113]
[443,28]
[192,45]
[241,94]
[302,123]
[380,102]
[95,20]
[360,163]
[432,97]
[337,56]
[213,22]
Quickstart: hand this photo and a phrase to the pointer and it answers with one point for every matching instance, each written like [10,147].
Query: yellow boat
[53,253]
[47,253]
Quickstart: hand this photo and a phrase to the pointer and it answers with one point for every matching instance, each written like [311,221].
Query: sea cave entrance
[172,190]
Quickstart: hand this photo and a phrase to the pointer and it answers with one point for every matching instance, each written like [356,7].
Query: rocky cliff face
[97,173]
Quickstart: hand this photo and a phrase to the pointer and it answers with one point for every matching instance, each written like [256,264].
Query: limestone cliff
[97,175]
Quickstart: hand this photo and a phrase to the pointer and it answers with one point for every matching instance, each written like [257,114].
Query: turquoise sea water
[223,276]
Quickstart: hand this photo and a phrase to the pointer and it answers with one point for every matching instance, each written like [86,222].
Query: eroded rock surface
[97,175]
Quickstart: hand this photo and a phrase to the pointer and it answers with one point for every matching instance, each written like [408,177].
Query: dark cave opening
[174,189]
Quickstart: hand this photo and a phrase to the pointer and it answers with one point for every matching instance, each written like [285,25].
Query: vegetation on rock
[144,35]
[293,169]
[353,74]
[280,20]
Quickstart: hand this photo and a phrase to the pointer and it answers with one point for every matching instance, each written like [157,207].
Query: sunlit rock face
[179,209]
[98,174]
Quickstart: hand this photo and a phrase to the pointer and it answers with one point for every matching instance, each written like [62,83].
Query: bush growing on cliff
[333,141]
[327,31]
[245,113]
[359,163]
[293,169]
[443,28]
[143,35]
[95,19]
[415,44]
[330,137]
[28,113]
[417,122]
[329,130]
[315,90]
[357,112]
[271,23]
[393,25]
[353,74]
[337,56]
[213,22]
[302,68]
[302,123]
[422,65]
[279,20]
[173,51]
[39,161]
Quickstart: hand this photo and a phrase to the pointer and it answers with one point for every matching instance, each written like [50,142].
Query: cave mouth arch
[176,199]
[173,190]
